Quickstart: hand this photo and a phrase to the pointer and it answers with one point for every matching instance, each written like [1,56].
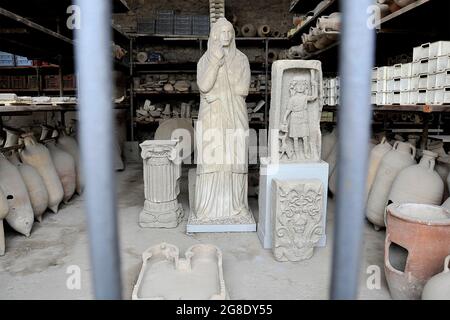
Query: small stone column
[161,183]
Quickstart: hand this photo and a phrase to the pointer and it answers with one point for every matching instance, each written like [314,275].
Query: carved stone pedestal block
[162,172]
[287,172]
[297,218]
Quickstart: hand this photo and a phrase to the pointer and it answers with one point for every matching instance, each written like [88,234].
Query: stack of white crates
[331,91]
[426,80]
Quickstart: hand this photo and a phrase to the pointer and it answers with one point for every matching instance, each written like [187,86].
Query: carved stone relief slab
[297,218]
[295,111]
[162,171]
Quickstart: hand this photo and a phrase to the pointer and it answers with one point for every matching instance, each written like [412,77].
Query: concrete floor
[36,267]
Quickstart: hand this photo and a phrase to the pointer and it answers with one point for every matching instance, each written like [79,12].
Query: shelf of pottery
[321,36]
[425,80]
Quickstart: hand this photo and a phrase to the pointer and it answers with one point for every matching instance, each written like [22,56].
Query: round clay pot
[264,30]
[4,209]
[70,145]
[38,156]
[418,183]
[35,186]
[248,30]
[376,155]
[438,287]
[400,157]
[65,167]
[421,233]
[20,216]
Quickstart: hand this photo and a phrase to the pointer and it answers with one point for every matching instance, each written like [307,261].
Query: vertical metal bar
[94,64]
[266,91]
[131,91]
[355,61]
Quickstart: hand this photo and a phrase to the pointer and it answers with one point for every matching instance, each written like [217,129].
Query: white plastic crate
[432,65]
[382,85]
[382,98]
[443,79]
[439,48]
[420,67]
[418,97]
[421,52]
[423,81]
[414,86]
[393,85]
[405,84]
[382,73]
[394,71]
[393,98]
[374,73]
[373,98]
[443,63]
[374,86]
[404,97]
[431,81]
[406,70]
[441,96]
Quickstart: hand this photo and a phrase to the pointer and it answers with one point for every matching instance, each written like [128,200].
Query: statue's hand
[217,51]
[284,127]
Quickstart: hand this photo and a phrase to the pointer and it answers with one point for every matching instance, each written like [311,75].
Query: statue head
[299,85]
[222,31]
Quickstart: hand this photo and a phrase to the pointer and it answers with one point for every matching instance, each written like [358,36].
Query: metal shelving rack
[36,39]
[332,52]
[190,66]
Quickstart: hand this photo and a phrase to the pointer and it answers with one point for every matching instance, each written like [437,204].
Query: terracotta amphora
[35,186]
[400,157]
[70,145]
[375,157]
[38,156]
[65,168]
[419,183]
[4,209]
[20,216]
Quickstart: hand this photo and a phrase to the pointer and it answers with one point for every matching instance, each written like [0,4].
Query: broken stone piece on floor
[297,213]
[166,275]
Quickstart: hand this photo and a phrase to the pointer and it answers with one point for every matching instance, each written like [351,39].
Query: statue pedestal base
[161,215]
[237,224]
[232,224]
[286,171]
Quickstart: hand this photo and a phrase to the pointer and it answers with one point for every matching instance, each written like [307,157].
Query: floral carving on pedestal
[297,218]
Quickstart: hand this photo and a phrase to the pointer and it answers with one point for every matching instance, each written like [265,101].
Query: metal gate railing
[93,63]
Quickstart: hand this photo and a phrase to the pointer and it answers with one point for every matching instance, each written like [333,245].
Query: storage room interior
[118,181]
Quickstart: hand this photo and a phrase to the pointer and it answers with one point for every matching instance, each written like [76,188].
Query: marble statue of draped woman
[223,77]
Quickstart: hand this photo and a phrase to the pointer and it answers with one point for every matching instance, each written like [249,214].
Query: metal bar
[356,61]
[33,25]
[60,74]
[131,93]
[266,92]
[94,66]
